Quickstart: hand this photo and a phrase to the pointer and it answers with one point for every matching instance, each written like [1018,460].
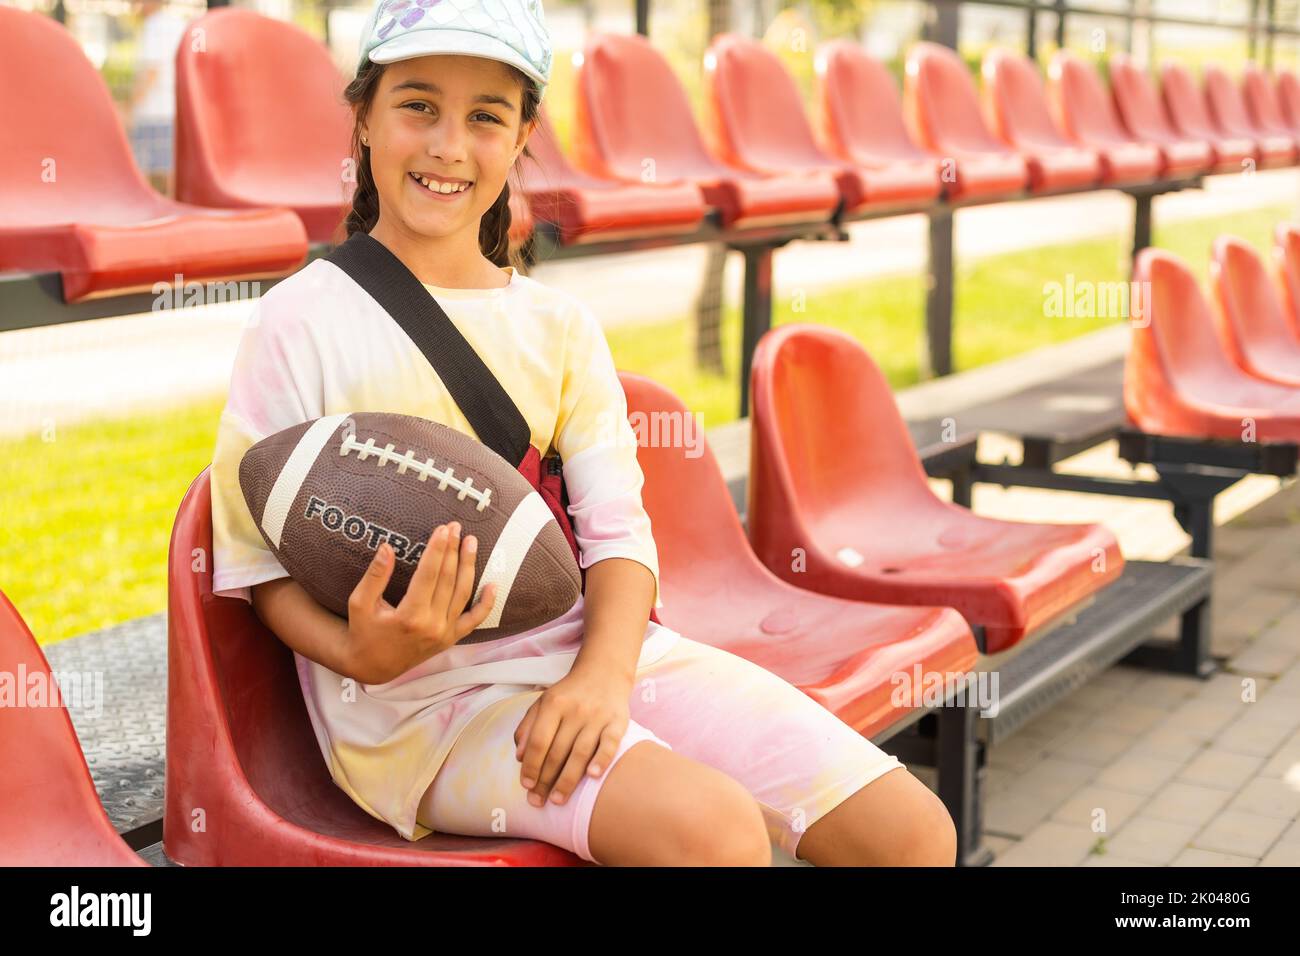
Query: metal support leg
[1193,495]
[1141,224]
[756,312]
[959,756]
[962,483]
[936,358]
[1189,655]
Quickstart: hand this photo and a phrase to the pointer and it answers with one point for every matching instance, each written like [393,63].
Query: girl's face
[443,131]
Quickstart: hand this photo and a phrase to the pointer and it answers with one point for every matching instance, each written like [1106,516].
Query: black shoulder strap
[484,402]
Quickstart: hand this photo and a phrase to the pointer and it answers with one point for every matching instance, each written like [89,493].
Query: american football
[325,493]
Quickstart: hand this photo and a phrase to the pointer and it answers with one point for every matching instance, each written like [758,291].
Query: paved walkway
[1143,769]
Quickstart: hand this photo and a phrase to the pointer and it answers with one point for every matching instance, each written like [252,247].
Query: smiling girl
[603,733]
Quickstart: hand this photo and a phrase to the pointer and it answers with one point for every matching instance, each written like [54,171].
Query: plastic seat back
[863,451]
[50,814]
[1226,105]
[696,525]
[1253,329]
[860,115]
[1184,102]
[630,108]
[238,145]
[1137,103]
[1288,99]
[1262,105]
[941,104]
[1286,263]
[1177,350]
[65,154]
[1080,101]
[1016,100]
[755,117]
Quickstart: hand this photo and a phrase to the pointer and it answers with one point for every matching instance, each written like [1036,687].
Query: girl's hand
[386,641]
[574,726]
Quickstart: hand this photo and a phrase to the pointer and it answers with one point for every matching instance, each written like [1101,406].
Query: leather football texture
[325,493]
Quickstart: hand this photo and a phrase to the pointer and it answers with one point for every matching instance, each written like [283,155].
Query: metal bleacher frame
[1046,667]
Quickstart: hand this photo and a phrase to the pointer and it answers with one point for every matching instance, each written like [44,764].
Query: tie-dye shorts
[797,759]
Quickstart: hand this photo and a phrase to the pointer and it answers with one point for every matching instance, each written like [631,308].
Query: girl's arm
[616,606]
[307,627]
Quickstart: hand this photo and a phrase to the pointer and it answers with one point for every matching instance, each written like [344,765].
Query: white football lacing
[424,470]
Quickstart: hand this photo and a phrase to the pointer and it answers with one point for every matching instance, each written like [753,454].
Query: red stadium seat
[1190,116]
[1288,100]
[632,120]
[848,491]
[943,115]
[860,121]
[584,208]
[240,146]
[756,121]
[1274,147]
[1286,264]
[1016,106]
[1143,114]
[841,653]
[73,201]
[1087,114]
[241,749]
[50,814]
[1253,329]
[1177,379]
[1263,108]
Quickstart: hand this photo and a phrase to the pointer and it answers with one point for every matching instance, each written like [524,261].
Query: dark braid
[494,228]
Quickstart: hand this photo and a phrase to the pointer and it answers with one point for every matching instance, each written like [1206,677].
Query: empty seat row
[640,164]
[1221,367]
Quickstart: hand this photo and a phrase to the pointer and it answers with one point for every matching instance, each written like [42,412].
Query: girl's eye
[425,108]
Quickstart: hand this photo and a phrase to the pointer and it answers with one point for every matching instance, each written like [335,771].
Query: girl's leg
[828,794]
[657,808]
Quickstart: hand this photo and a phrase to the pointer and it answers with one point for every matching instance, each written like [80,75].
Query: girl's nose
[448,143]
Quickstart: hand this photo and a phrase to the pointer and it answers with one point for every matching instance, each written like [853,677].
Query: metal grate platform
[125,743]
[1122,618]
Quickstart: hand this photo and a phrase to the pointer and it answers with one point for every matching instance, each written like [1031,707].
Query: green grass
[998,311]
[89,511]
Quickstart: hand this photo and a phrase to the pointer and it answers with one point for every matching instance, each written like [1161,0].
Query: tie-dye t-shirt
[317,344]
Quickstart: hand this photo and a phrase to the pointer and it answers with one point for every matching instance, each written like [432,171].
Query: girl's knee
[720,825]
[662,809]
[927,835]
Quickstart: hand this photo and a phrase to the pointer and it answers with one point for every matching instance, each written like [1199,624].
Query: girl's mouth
[440,190]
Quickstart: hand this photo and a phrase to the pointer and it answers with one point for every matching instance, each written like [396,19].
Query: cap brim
[408,46]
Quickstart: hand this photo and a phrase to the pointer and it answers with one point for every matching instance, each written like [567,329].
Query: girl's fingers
[604,755]
[373,583]
[521,732]
[464,589]
[584,746]
[420,590]
[478,613]
[540,735]
[557,755]
[441,598]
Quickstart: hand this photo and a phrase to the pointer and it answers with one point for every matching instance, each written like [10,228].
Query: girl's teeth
[444,187]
